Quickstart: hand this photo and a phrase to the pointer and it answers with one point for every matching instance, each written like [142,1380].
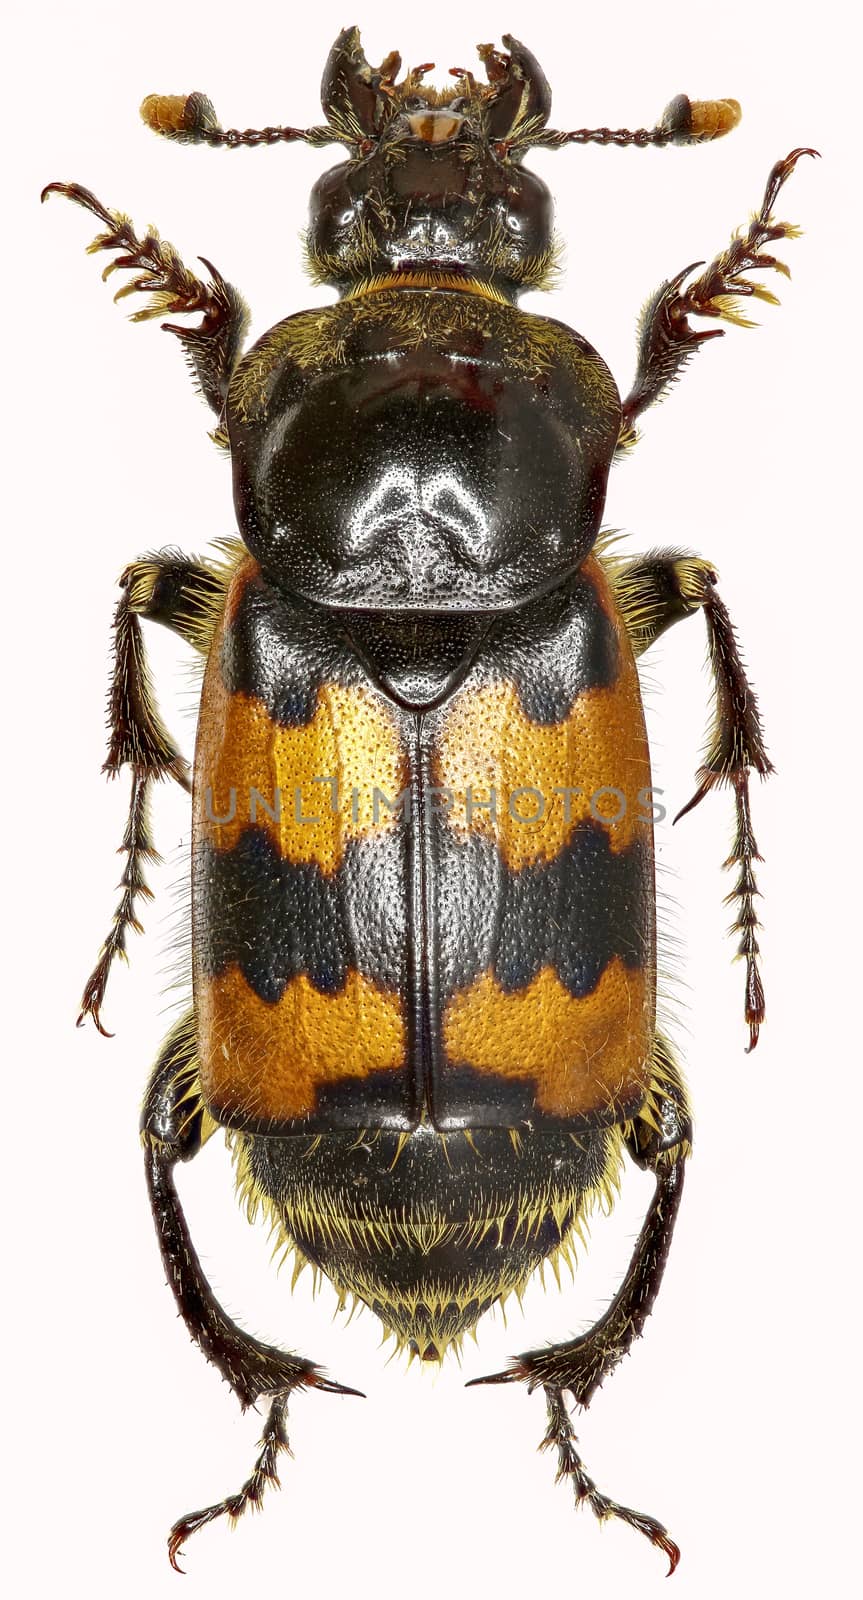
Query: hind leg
[658,1140]
[174,1126]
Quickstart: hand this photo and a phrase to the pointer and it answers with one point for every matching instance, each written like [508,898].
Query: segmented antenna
[191,119]
[683,121]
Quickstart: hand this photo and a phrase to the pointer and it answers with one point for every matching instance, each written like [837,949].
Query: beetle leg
[212,349]
[274,1440]
[667,339]
[187,597]
[561,1436]
[139,739]
[659,1139]
[174,1125]
[184,595]
[653,592]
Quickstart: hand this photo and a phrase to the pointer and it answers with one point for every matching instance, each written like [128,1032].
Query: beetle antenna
[683,121]
[191,119]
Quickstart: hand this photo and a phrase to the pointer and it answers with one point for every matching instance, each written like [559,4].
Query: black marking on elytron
[277,920]
[464,1098]
[554,649]
[280,649]
[389,1099]
[574,914]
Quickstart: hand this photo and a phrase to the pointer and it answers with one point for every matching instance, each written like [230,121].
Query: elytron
[427,1028]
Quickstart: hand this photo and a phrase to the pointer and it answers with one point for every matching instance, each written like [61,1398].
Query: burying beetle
[423,886]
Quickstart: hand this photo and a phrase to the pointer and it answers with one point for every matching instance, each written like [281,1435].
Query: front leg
[667,338]
[174,1126]
[653,592]
[213,348]
[659,1140]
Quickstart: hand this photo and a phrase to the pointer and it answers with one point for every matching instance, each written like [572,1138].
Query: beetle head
[434,187]
[434,183]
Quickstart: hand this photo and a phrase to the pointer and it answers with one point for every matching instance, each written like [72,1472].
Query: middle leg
[653,592]
[186,596]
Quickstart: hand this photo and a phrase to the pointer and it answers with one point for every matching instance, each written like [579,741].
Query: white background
[733,1419]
